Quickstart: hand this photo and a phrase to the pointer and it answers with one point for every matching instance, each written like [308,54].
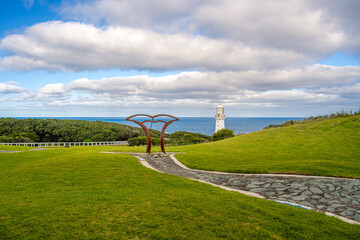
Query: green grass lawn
[79,193]
[329,148]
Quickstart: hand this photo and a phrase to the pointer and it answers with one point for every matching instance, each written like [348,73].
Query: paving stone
[327,195]
[315,190]
[322,187]
[347,213]
[316,197]
[351,209]
[277,185]
[357,197]
[236,182]
[257,183]
[331,188]
[308,193]
[337,205]
[299,198]
[269,194]
[320,207]
[354,202]
[348,187]
[337,195]
[355,182]
[296,185]
[306,204]
[330,209]
[356,217]
[257,190]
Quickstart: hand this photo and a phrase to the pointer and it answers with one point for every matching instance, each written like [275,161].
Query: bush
[222,134]
[155,141]
[87,140]
[137,141]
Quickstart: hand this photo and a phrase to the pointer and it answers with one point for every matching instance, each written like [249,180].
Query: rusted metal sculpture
[147,132]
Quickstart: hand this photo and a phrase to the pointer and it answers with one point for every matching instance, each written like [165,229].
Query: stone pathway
[338,196]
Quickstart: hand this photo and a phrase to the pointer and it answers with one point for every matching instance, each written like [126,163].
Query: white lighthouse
[220,118]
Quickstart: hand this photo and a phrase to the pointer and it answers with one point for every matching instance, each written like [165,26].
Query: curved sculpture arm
[147,132]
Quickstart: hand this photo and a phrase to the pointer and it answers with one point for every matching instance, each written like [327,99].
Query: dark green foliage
[181,134]
[222,134]
[176,138]
[55,130]
[142,140]
[185,138]
[137,141]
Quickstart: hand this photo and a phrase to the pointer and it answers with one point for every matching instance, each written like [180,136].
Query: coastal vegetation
[81,193]
[174,139]
[56,130]
[323,146]
[222,134]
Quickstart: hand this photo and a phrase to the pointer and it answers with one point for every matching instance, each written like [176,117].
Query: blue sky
[118,57]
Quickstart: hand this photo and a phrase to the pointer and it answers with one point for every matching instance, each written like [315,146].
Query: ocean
[203,125]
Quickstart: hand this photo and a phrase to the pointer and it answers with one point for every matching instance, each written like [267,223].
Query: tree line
[56,130]
[62,130]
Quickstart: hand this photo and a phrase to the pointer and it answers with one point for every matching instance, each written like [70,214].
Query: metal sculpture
[147,132]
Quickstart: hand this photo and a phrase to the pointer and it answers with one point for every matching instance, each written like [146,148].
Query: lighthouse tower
[220,118]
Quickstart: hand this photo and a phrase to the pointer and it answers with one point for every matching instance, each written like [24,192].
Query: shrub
[222,134]
[137,141]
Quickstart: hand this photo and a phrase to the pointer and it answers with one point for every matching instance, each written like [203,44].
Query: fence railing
[65,144]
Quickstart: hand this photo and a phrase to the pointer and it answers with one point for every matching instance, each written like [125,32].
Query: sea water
[203,125]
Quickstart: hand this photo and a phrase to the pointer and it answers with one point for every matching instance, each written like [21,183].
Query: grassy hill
[329,147]
[80,193]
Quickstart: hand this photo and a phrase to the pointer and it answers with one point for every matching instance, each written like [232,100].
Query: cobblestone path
[339,196]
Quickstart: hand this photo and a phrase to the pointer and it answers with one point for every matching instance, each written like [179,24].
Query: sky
[115,58]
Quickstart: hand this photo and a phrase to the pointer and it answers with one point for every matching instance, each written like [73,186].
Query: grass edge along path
[79,193]
[255,194]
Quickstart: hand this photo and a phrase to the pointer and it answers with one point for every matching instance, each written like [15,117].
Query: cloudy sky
[113,58]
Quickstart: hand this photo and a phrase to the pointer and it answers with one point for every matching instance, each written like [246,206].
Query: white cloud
[57,88]
[210,83]
[186,35]
[274,88]
[10,87]
[308,27]
[316,85]
[75,46]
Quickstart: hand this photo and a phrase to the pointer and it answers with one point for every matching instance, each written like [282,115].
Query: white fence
[65,144]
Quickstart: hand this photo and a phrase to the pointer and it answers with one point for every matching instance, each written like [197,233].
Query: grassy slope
[329,147]
[79,193]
